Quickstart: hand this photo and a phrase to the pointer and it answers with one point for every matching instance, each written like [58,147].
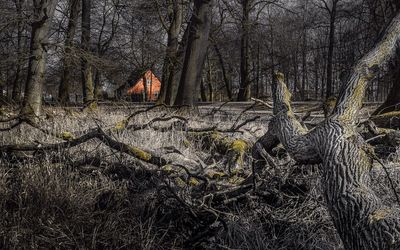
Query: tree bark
[245,84]
[359,215]
[203,94]
[224,74]
[304,79]
[43,14]
[331,46]
[171,57]
[195,53]
[16,91]
[64,89]
[209,80]
[87,76]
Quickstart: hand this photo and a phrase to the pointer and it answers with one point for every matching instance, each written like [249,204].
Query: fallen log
[143,155]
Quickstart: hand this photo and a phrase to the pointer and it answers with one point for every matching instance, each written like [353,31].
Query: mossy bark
[235,149]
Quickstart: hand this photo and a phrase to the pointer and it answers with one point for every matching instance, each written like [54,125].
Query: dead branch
[157,119]
[387,120]
[135,152]
[12,126]
[243,112]
[266,104]
[215,109]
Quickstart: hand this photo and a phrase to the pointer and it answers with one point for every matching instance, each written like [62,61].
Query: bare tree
[197,43]
[331,7]
[245,83]
[16,92]
[104,40]
[87,74]
[171,57]
[64,89]
[43,14]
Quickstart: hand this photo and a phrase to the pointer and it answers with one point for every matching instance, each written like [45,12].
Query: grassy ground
[94,197]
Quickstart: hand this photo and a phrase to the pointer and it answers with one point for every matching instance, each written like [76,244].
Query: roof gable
[153,86]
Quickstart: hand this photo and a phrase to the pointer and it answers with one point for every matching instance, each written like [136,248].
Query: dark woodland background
[168,124]
[314,43]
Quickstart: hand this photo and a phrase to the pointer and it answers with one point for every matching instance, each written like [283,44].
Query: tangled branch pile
[155,179]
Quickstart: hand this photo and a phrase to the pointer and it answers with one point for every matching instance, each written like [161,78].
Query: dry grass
[122,203]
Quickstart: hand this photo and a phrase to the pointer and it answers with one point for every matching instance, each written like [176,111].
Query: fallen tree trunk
[359,215]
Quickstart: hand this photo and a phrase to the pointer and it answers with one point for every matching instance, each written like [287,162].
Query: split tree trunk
[43,14]
[359,215]
[195,55]
[64,89]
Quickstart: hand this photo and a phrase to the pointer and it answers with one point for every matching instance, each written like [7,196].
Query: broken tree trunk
[359,215]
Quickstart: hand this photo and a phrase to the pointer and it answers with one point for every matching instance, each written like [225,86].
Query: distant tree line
[203,50]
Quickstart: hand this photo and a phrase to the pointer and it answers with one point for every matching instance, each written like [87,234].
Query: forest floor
[98,194]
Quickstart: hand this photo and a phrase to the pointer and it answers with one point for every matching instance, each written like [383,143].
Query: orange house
[153,86]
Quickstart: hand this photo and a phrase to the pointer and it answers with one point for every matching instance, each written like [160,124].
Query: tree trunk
[87,75]
[145,88]
[98,88]
[316,74]
[359,215]
[171,57]
[224,75]
[195,53]
[43,13]
[174,78]
[203,91]
[64,89]
[209,80]
[16,92]
[245,84]
[258,72]
[304,92]
[331,46]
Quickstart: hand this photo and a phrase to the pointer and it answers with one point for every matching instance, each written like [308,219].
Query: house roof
[138,87]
